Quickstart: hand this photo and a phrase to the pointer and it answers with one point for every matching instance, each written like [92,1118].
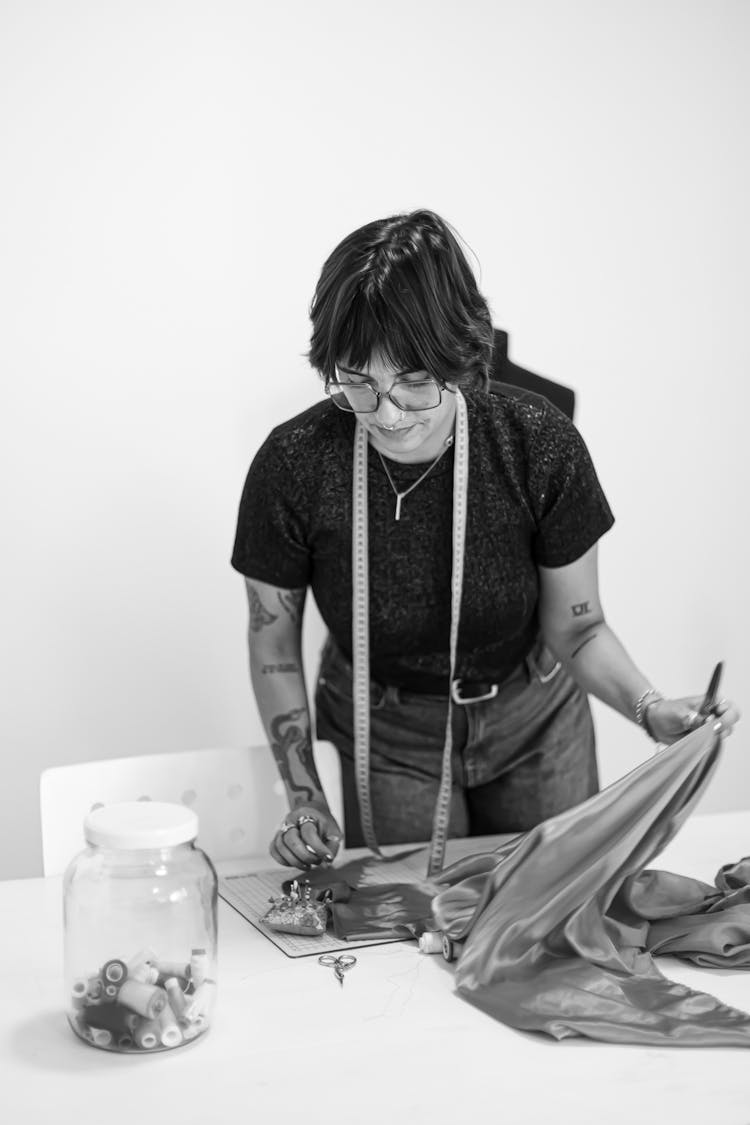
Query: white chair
[237,794]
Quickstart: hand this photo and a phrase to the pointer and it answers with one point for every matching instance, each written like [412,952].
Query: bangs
[376,325]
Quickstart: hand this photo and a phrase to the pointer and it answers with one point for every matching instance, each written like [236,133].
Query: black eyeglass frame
[333,383]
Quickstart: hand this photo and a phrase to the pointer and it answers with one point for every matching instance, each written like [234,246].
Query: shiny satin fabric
[559,925]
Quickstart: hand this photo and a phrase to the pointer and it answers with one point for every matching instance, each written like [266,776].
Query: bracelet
[639,704]
[646,724]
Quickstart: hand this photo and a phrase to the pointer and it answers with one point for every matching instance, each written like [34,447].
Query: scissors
[713,690]
[339,964]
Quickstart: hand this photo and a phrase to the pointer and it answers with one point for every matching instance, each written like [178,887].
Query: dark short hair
[402,286]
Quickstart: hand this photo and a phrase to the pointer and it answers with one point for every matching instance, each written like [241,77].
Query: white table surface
[394,1045]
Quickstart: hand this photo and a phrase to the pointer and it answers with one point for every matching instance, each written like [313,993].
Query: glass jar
[140,929]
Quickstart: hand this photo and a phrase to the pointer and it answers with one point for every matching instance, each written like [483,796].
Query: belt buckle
[456,697]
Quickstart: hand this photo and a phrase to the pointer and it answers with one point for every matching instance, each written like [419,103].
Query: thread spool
[177,1001]
[114,972]
[78,993]
[142,967]
[169,1033]
[198,966]
[194,1028]
[111,1017]
[101,1037]
[451,949]
[179,969]
[142,957]
[145,973]
[201,1000]
[82,1029]
[431,941]
[147,1035]
[95,989]
[145,999]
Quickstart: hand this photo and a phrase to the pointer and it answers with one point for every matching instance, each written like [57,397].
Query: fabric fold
[556,923]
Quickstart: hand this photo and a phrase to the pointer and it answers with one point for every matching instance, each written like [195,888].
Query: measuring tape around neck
[361,635]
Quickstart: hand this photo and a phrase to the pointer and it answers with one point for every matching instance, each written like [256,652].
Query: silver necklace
[400,495]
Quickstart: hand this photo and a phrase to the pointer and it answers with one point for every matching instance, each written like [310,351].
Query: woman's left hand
[671,719]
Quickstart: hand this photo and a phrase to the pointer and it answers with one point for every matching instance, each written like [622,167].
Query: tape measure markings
[361,635]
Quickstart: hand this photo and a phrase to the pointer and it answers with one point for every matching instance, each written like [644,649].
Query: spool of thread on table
[451,949]
[431,941]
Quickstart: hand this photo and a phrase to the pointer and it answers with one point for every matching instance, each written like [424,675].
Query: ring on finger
[305,820]
[285,826]
[693,718]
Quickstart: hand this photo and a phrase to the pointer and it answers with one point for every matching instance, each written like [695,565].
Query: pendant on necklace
[399,498]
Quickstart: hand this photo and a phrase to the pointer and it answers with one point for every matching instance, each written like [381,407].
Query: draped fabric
[559,925]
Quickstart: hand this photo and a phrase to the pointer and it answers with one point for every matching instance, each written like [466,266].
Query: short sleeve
[270,542]
[570,507]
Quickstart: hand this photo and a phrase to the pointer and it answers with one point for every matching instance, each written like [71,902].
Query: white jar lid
[140,824]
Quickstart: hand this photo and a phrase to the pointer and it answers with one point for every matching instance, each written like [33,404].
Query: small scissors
[339,964]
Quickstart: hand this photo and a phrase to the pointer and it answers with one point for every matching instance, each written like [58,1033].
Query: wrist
[641,707]
[647,724]
[317,802]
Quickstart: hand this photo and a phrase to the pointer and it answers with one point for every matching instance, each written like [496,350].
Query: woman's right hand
[307,837]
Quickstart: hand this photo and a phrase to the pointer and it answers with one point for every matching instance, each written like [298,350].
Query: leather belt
[463,691]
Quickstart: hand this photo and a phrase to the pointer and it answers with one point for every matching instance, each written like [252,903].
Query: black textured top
[533,499]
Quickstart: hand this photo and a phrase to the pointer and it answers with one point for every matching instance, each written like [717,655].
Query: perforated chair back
[236,792]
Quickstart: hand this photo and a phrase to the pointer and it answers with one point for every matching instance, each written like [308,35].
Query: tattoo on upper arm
[280,668]
[292,601]
[292,749]
[580,608]
[259,615]
[581,645]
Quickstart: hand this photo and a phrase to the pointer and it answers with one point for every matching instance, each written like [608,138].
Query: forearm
[279,687]
[599,663]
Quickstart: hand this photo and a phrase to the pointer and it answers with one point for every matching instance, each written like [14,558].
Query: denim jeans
[518,758]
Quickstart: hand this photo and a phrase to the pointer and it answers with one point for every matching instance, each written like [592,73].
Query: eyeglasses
[361,398]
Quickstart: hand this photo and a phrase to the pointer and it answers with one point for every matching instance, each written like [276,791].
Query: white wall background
[173,176]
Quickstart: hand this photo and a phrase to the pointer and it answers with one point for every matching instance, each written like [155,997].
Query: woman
[403,339]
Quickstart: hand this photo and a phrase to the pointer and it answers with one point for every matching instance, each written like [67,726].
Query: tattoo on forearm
[581,645]
[580,608]
[292,601]
[292,749]
[259,615]
[280,668]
